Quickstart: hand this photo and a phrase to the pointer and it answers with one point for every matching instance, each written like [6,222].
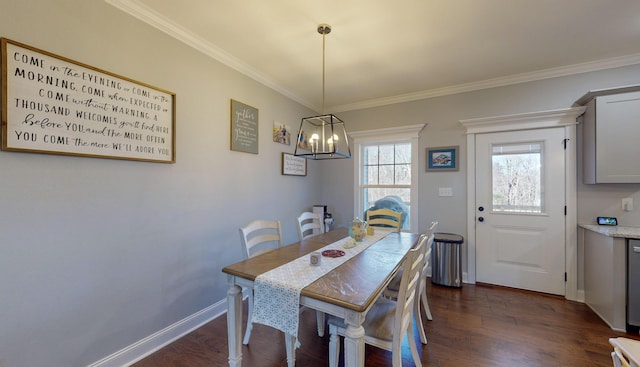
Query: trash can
[446,264]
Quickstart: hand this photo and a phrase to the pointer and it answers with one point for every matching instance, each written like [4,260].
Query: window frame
[406,134]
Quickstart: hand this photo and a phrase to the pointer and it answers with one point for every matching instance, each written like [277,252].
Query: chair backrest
[411,273]
[618,359]
[431,232]
[427,256]
[384,217]
[260,236]
[432,228]
[309,224]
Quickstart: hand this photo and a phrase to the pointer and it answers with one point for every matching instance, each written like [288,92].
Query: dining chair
[388,321]
[391,292]
[309,224]
[618,356]
[384,218]
[258,237]
[618,359]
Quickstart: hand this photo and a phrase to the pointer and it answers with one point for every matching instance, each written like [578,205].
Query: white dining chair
[258,237]
[625,351]
[391,292]
[388,322]
[309,224]
[384,218]
[618,359]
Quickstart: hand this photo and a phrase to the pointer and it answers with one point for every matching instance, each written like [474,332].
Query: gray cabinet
[604,277]
[611,136]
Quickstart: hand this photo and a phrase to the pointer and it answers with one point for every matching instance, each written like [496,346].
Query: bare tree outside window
[517,181]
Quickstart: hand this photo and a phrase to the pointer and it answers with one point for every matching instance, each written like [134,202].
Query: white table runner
[277,292]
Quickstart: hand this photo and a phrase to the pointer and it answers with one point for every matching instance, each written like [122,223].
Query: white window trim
[393,134]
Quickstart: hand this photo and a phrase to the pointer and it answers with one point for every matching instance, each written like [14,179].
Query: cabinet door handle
[636,248]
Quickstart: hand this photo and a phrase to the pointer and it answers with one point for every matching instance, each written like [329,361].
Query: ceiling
[381,52]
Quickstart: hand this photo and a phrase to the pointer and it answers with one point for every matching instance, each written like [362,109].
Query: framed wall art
[54,105]
[293,166]
[281,133]
[244,127]
[442,158]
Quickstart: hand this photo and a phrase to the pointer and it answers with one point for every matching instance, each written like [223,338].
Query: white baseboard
[154,342]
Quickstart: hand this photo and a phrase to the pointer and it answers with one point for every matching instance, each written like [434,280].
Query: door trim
[567,118]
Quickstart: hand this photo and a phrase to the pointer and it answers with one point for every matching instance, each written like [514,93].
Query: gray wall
[97,254]
[443,114]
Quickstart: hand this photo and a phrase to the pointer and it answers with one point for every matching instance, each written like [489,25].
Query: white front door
[520,209]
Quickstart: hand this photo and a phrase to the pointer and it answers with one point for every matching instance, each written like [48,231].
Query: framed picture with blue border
[442,159]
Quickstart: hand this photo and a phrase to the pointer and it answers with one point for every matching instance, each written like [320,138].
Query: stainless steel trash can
[446,264]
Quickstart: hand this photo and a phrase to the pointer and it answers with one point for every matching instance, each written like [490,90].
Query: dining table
[348,291]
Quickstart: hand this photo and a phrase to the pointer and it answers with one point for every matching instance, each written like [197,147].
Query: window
[387,162]
[387,178]
[517,177]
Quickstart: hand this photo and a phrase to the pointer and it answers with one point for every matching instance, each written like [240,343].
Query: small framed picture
[442,158]
[293,166]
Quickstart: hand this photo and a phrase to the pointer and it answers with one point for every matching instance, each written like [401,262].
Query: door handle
[636,248]
[480,219]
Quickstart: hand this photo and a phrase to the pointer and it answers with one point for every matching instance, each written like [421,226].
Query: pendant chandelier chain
[323,73]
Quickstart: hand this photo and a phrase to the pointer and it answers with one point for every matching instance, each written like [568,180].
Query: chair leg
[425,304]
[334,346]
[413,347]
[290,346]
[247,333]
[418,315]
[321,323]
[419,325]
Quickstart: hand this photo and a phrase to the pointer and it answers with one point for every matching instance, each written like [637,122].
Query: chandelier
[323,136]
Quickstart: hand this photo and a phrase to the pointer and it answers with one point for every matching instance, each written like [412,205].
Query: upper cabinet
[611,136]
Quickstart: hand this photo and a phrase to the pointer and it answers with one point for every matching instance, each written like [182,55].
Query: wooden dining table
[348,291]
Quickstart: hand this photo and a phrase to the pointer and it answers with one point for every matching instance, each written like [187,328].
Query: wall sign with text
[51,104]
[293,166]
[244,127]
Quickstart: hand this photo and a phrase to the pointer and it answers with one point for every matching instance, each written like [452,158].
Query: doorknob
[480,219]
[481,208]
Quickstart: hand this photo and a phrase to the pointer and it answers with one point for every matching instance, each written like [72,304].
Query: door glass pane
[517,177]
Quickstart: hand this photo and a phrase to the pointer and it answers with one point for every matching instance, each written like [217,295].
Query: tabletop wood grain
[353,285]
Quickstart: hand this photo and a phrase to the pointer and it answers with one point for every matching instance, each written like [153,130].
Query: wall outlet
[445,191]
[627,204]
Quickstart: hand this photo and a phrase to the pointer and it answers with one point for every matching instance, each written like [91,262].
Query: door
[520,209]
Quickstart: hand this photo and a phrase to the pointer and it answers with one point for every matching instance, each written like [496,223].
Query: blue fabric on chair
[392,202]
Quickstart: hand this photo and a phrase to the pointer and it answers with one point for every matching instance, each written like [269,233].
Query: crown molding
[586,67]
[147,15]
[156,20]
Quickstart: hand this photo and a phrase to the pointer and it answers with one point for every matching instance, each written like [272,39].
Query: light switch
[445,191]
[627,204]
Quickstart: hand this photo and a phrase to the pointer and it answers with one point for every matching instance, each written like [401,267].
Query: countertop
[614,231]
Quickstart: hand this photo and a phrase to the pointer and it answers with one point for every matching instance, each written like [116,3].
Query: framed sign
[51,104]
[293,166]
[244,127]
[442,158]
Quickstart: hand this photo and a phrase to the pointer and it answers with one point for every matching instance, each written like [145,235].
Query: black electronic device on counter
[607,221]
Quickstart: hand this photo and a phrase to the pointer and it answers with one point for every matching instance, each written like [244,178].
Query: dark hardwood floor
[478,325]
